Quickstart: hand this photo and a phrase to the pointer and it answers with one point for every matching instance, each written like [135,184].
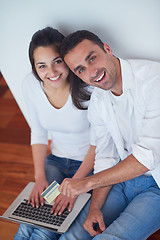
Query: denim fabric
[131,212]
[26,232]
[56,169]
[59,168]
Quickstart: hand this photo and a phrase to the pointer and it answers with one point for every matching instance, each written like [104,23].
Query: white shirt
[68,126]
[130,123]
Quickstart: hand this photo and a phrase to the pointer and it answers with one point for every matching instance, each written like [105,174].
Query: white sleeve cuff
[103,164]
[92,137]
[144,156]
[39,140]
[155,174]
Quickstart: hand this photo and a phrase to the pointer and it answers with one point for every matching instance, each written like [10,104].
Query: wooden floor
[16,167]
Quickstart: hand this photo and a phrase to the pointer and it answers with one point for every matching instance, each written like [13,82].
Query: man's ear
[107,49]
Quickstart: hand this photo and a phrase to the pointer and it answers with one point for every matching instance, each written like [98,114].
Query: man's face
[92,64]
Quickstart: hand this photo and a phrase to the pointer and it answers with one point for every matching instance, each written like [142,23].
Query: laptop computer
[22,212]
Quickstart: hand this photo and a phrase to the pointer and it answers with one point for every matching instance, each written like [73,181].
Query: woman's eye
[42,66]
[58,61]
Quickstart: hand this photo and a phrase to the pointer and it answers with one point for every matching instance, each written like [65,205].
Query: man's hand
[35,196]
[61,202]
[94,217]
[74,187]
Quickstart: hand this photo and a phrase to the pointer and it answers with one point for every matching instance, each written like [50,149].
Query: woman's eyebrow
[44,62]
[56,58]
[40,63]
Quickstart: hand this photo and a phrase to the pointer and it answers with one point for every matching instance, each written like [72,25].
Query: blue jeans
[56,169]
[131,212]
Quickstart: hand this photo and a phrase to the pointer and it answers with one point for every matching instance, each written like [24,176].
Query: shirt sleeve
[38,134]
[147,149]
[106,153]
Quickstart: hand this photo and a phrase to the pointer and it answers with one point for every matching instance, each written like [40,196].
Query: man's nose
[92,71]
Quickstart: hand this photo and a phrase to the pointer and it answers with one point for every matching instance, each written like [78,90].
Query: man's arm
[95,216]
[125,170]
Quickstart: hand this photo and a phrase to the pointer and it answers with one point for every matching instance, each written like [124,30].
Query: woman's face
[50,67]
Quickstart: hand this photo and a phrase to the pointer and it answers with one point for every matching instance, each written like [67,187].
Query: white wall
[130,27]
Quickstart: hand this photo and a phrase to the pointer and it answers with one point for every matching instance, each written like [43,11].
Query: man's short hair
[73,39]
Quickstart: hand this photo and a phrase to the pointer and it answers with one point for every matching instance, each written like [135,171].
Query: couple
[124,115]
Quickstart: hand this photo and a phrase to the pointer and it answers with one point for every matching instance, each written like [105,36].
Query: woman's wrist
[40,177]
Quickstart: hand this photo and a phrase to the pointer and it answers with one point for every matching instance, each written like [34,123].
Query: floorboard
[16,166]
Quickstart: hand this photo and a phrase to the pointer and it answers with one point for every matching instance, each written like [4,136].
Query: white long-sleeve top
[68,126]
[130,123]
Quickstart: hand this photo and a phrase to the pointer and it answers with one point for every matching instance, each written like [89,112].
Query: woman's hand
[61,202]
[35,197]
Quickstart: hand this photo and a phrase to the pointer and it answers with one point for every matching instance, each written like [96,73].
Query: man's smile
[100,77]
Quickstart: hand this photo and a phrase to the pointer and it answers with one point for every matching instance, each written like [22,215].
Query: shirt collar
[127,75]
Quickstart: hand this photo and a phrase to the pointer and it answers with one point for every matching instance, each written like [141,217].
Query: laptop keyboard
[41,214]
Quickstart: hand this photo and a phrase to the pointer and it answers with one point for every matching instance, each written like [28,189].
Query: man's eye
[81,70]
[92,59]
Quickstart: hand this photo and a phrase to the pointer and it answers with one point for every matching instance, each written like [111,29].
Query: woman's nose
[52,70]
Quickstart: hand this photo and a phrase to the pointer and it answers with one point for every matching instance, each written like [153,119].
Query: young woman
[57,103]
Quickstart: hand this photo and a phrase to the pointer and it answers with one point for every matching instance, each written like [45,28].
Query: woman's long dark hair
[52,37]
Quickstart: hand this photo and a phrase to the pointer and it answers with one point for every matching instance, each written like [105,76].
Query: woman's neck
[57,96]
[50,89]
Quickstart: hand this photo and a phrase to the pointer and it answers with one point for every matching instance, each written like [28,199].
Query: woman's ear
[107,49]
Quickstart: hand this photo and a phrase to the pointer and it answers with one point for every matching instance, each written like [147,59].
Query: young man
[124,114]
